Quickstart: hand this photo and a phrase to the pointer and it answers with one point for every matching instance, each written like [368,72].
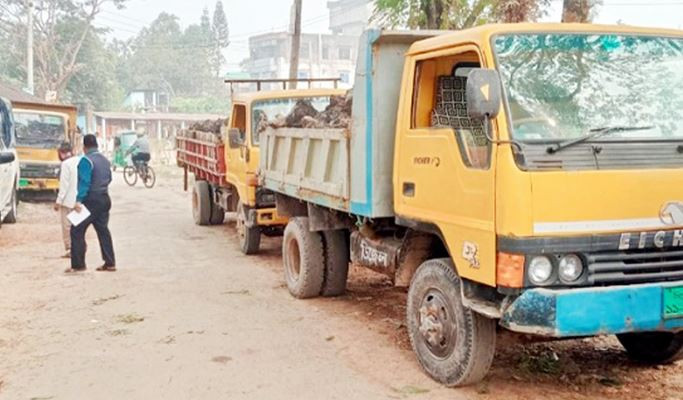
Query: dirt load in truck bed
[209,125]
[336,115]
[208,130]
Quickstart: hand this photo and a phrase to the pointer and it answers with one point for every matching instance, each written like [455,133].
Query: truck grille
[636,266]
[39,171]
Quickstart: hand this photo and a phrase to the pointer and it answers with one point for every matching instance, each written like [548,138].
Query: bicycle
[141,169]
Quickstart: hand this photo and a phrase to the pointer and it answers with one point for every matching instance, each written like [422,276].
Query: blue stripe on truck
[365,209]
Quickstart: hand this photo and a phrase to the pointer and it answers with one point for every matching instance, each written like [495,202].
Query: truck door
[444,163]
[237,159]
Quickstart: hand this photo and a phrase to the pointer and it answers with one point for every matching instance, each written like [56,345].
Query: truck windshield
[561,86]
[274,112]
[39,130]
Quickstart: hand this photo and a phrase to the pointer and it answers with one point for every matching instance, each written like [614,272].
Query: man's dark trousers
[99,206]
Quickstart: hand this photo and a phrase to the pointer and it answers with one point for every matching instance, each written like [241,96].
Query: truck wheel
[217,213]
[11,217]
[336,263]
[653,347]
[302,255]
[250,237]
[201,203]
[454,345]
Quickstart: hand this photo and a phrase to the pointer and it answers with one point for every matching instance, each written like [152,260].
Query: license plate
[673,302]
[23,182]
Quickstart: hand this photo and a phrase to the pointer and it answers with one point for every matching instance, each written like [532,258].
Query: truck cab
[40,129]
[250,116]
[546,159]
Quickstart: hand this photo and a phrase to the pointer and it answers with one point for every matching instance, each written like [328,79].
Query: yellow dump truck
[225,169]
[528,176]
[40,129]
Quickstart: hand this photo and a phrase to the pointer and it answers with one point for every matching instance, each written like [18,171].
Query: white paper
[76,217]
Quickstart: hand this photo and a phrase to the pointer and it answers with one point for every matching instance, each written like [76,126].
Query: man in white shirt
[68,189]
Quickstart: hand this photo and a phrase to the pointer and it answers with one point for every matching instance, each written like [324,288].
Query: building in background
[349,17]
[320,55]
[146,100]
[155,125]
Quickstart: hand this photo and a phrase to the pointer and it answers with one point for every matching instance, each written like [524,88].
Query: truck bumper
[266,217]
[591,311]
[38,184]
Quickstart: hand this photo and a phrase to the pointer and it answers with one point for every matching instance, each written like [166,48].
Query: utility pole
[29,48]
[296,42]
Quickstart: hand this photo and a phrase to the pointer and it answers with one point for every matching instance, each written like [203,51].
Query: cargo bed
[204,158]
[352,170]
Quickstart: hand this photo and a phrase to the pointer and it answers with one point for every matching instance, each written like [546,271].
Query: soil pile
[209,125]
[207,131]
[336,115]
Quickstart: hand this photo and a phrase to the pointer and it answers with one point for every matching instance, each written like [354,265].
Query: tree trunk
[576,10]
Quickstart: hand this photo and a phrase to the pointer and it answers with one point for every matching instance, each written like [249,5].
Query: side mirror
[483,93]
[6,157]
[235,139]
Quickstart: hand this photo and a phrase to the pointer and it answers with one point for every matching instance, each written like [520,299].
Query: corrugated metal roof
[156,116]
[17,95]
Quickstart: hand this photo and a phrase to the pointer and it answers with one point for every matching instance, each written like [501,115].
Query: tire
[150,178]
[11,217]
[302,256]
[336,251]
[453,344]
[201,203]
[653,347]
[217,214]
[130,175]
[249,237]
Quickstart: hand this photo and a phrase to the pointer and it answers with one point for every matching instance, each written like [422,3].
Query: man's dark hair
[90,141]
[65,147]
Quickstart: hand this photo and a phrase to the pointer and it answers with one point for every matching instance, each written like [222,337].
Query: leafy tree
[520,10]
[578,10]
[220,37]
[96,84]
[56,47]
[455,14]
[165,58]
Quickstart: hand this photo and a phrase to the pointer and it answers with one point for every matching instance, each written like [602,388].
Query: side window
[239,119]
[440,101]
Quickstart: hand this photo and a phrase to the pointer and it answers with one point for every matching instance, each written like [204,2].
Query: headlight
[570,268]
[540,270]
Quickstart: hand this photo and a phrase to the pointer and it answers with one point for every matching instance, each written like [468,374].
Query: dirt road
[188,317]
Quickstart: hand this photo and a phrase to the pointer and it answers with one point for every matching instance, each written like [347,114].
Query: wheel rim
[130,175]
[437,323]
[149,178]
[293,259]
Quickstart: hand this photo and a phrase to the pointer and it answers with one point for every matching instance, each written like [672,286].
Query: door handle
[408,189]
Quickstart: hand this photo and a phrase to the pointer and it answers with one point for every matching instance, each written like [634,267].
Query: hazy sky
[249,17]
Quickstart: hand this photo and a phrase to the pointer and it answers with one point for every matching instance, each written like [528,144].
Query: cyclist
[140,150]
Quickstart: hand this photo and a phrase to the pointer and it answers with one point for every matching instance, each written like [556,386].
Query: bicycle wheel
[130,175]
[149,178]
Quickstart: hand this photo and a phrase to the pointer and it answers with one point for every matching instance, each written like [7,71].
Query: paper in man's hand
[76,218]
